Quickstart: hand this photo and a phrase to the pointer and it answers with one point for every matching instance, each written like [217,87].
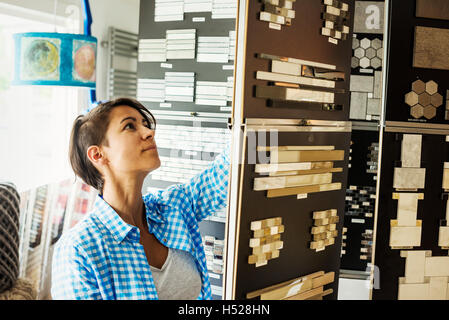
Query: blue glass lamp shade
[56,59]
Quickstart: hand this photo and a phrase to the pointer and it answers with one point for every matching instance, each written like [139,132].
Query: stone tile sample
[433,9]
[411,150]
[362,83]
[431,48]
[409,178]
[358,107]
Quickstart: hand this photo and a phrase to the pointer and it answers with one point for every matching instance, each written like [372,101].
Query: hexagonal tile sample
[436,100]
[417,111]
[376,62]
[424,99]
[431,87]
[354,62]
[364,62]
[365,43]
[370,53]
[359,53]
[411,98]
[355,43]
[418,86]
[380,53]
[430,112]
[376,43]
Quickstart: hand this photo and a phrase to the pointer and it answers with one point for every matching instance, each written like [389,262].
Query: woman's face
[131,147]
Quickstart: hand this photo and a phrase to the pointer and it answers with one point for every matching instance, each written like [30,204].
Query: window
[35,121]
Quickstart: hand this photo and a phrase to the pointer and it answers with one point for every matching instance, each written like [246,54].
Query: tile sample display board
[309,219]
[360,200]
[185,78]
[290,72]
[412,202]
[430,210]
[408,67]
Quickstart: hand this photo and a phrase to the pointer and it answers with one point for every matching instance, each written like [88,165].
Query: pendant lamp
[56,59]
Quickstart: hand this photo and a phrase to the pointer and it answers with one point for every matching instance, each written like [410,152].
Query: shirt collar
[111,220]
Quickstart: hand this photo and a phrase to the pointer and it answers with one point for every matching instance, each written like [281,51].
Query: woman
[132,246]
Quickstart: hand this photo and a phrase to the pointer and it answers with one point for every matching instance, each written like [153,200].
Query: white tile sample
[362,83]
[358,106]
[411,150]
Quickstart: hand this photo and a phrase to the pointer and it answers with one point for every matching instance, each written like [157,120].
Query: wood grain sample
[302,190]
[305,156]
[432,9]
[296,289]
[266,241]
[322,235]
[431,48]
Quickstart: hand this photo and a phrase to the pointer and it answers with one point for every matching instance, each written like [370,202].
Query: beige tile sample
[407,208]
[411,150]
[443,238]
[445,185]
[401,237]
[412,291]
[409,178]
[286,68]
[291,181]
[301,190]
[438,288]
[431,49]
[278,167]
[299,156]
[437,267]
[415,265]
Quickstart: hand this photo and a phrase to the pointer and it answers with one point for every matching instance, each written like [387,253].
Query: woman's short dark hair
[89,130]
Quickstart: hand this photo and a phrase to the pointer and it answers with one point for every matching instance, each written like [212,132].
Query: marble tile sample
[213,49]
[232,44]
[443,237]
[335,20]
[277,13]
[191,6]
[293,94]
[407,208]
[358,105]
[302,288]
[405,237]
[266,241]
[362,83]
[369,17]
[152,50]
[426,276]
[224,9]
[179,86]
[367,53]
[424,99]
[409,178]
[152,90]
[411,150]
[431,50]
[181,43]
[432,9]
[168,10]
[213,93]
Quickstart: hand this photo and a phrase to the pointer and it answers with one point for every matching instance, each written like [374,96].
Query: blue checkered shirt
[101,257]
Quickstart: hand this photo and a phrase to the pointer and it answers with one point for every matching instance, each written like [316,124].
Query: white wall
[120,14]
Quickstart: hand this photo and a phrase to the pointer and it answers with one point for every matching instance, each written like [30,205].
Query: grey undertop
[178,279]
